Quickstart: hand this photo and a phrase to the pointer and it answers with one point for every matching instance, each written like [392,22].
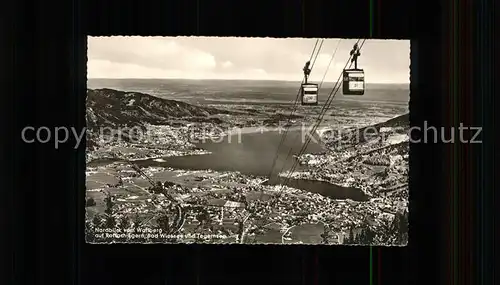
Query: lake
[253,154]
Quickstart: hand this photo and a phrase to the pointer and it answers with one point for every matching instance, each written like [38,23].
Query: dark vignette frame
[47,237]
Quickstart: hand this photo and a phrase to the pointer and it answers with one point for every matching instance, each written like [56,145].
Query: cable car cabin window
[353,82]
[309,94]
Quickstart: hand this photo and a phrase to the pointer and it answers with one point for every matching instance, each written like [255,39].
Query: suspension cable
[320,118]
[321,83]
[314,54]
[329,63]
[294,108]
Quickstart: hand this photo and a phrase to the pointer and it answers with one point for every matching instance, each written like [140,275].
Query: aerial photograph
[234,140]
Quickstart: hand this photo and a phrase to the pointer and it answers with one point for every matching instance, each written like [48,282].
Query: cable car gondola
[309,94]
[308,91]
[353,82]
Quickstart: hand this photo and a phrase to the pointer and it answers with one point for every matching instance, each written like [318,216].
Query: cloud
[148,54]
[98,68]
[257,73]
[227,64]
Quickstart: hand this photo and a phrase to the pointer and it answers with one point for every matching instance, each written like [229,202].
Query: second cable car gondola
[353,82]
[309,94]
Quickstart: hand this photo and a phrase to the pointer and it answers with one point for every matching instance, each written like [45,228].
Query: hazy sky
[384,61]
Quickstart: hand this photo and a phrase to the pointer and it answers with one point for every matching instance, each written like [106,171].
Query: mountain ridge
[112,108]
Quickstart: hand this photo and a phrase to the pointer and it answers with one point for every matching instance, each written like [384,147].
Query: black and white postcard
[247,140]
